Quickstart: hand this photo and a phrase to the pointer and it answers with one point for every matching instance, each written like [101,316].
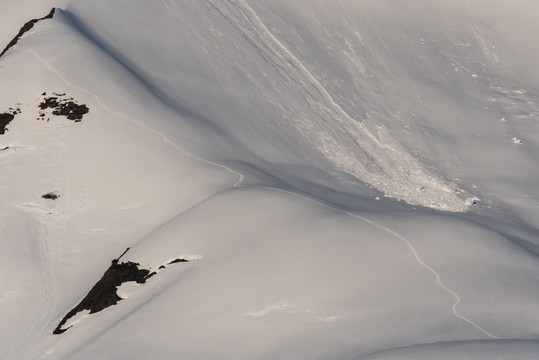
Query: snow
[347,180]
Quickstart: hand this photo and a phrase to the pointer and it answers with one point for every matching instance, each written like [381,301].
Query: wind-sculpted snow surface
[250,153]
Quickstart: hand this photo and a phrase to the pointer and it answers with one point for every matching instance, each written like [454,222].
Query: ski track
[240,178]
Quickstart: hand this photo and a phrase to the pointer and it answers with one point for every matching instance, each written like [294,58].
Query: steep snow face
[273,88]
[257,139]
[408,99]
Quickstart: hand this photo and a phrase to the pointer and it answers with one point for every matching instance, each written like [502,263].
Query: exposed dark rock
[71,110]
[30,24]
[115,261]
[104,294]
[5,119]
[63,107]
[50,196]
[50,102]
[150,275]
[7,147]
[177,261]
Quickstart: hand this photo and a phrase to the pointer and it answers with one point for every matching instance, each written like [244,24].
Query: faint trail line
[250,15]
[437,278]
[125,117]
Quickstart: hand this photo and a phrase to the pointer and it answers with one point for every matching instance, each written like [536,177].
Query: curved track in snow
[240,177]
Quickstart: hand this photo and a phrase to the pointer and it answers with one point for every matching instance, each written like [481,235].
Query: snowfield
[302,179]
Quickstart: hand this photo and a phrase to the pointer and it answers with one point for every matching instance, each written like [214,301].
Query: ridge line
[437,278]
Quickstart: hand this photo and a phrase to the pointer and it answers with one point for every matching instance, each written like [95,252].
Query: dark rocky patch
[30,24]
[104,294]
[7,147]
[50,102]
[150,275]
[50,196]
[71,110]
[177,261]
[5,119]
[63,107]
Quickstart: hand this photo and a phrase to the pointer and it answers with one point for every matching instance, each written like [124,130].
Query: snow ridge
[26,27]
[240,178]
[125,117]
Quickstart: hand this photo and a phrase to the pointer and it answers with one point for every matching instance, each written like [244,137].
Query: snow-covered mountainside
[252,179]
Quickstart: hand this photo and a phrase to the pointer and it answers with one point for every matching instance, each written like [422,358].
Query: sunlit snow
[306,179]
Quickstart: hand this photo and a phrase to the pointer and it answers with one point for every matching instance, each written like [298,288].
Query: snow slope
[349,179]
